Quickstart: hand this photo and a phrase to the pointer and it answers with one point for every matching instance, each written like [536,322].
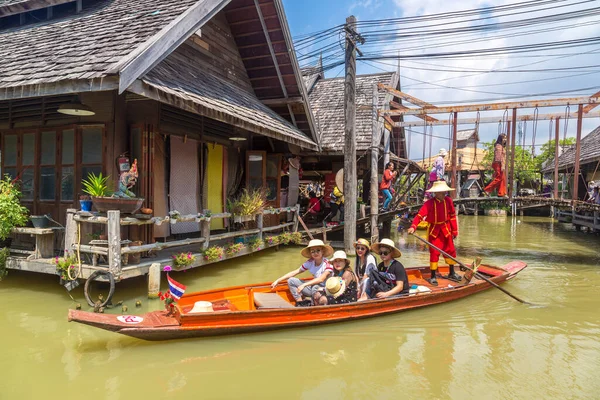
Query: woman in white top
[317,253]
[365,261]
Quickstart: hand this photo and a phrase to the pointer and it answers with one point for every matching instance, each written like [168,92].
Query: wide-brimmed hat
[202,306]
[443,152]
[439,186]
[335,287]
[388,243]
[327,250]
[362,242]
[340,255]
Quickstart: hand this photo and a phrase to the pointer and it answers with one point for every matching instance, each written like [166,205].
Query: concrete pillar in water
[154,281]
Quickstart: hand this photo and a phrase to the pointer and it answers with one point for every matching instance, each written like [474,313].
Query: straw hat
[443,152]
[202,307]
[340,255]
[363,242]
[439,186]
[327,250]
[339,180]
[335,287]
[388,243]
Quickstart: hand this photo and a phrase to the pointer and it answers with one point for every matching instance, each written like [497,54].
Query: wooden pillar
[70,230]
[386,229]
[507,154]
[556,150]
[350,139]
[296,218]
[386,147]
[454,133]
[512,154]
[374,170]
[154,281]
[259,224]
[205,231]
[577,152]
[114,242]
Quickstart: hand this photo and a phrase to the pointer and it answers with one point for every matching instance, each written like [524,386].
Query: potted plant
[104,198]
[12,213]
[85,201]
[247,205]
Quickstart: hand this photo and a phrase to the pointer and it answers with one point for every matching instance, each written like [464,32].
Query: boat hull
[158,326]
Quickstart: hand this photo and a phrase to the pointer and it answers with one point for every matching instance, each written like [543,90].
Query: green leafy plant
[249,202]
[256,244]
[494,205]
[285,238]
[296,237]
[183,259]
[272,240]
[96,185]
[4,253]
[214,253]
[234,248]
[66,266]
[12,213]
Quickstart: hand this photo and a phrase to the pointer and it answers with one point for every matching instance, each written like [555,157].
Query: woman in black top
[347,293]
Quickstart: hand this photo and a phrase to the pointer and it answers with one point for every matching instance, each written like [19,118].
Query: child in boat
[318,265]
[442,230]
[342,287]
[390,270]
[365,262]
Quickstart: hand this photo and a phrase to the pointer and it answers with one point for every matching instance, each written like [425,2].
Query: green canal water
[487,346]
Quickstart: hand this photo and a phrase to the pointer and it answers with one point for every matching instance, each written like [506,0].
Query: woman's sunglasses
[361,248]
[315,251]
[384,253]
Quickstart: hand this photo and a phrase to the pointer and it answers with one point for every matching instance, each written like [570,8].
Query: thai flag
[177,289]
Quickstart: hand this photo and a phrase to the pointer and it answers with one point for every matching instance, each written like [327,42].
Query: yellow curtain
[214,178]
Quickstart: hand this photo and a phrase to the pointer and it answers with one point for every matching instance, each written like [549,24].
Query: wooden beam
[497,106]
[556,144]
[405,96]
[374,188]
[454,193]
[590,107]
[489,120]
[282,102]
[159,46]
[512,153]
[60,87]
[577,152]
[399,106]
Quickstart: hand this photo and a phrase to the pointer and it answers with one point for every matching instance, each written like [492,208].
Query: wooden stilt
[154,281]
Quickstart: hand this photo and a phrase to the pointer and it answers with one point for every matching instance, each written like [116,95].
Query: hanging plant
[12,213]
[234,248]
[296,237]
[249,202]
[4,253]
[66,266]
[256,244]
[214,253]
[182,260]
[273,240]
[285,238]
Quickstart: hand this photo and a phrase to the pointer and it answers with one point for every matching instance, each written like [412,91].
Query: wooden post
[374,170]
[507,155]
[577,152]
[454,133]
[114,242]
[70,230]
[296,215]
[259,224]
[154,281]
[205,230]
[350,139]
[386,147]
[512,154]
[556,150]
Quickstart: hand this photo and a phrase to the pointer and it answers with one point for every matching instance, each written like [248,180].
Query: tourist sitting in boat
[318,265]
[342,287]
[443,228]
[365,262]
[390,278]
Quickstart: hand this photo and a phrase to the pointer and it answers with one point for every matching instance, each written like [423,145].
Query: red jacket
[441,216]
[386,182]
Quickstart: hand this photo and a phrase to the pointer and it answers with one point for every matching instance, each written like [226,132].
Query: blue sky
[445,87]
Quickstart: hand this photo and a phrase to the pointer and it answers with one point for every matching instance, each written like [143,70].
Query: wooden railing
[114,222]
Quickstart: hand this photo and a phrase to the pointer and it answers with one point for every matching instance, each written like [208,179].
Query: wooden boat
[253,308]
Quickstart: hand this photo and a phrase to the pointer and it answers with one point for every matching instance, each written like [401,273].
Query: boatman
[443,227]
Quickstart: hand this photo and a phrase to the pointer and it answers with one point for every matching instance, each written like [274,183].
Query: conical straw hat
[339,180]
[439,186]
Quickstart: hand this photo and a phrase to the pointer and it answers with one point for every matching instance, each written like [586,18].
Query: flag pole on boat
[477,274]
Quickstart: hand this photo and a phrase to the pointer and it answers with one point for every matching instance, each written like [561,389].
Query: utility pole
[350,178]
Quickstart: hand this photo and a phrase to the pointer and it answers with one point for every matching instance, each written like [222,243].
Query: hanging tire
[87,287]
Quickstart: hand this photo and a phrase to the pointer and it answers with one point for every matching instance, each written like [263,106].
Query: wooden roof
[327,102]
[177,82]
[265,45]
[11,7]
[590,152]
[466,135]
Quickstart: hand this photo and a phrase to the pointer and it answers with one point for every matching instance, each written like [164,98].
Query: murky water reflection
[486,347]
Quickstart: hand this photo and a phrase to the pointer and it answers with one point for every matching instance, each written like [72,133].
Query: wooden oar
[305,227]
[477,274]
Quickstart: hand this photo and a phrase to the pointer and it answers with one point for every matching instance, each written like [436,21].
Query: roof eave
[64,86]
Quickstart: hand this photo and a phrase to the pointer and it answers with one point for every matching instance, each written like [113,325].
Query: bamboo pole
[374,191]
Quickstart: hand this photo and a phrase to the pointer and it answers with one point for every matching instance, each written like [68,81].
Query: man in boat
[390,278]
[443,227]
[318,265]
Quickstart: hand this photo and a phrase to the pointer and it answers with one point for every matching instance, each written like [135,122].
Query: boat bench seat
[270,300]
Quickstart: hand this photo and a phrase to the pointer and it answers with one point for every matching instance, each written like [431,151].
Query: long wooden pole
[577,152]
[350,180]
[453,150]
[507,155]
[556,150]
[512,154]
[478,275]
[374,169]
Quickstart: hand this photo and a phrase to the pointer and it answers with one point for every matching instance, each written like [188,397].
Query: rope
[535,122]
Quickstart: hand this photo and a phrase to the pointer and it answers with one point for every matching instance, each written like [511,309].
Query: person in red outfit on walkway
[443,228]
[499,181]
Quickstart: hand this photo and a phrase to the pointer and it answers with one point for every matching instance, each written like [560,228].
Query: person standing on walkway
[499,180]
[385,186]
[443,228]
[336,203]
[438,169]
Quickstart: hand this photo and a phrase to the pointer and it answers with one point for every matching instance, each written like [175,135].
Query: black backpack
[381,281]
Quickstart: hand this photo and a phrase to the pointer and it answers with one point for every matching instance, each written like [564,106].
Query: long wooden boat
[252,308]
